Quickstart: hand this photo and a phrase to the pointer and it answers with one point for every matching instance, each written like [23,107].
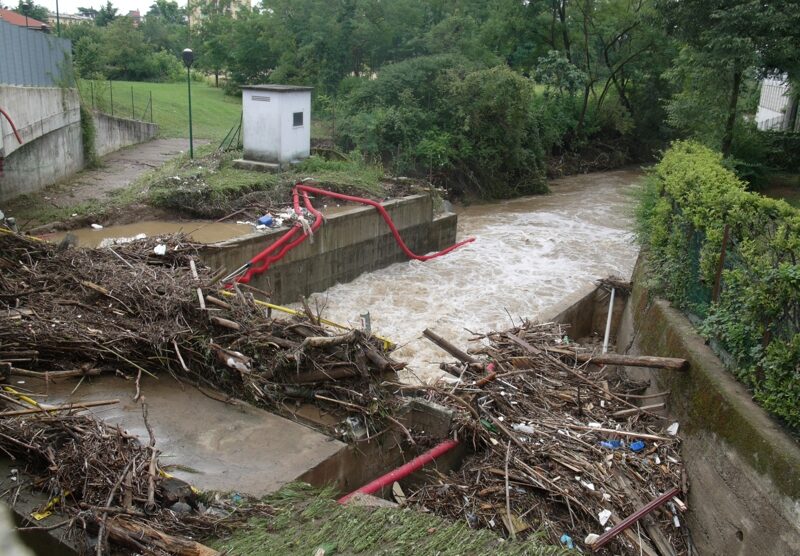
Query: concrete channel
[742,467]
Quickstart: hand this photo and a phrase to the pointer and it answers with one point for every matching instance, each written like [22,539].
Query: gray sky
[71,6]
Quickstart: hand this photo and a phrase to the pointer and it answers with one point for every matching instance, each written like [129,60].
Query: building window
[297,120]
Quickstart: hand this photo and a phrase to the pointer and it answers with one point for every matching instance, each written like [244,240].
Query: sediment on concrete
[743,467]
[348,244]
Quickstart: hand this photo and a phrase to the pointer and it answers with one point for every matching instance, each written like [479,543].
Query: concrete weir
[351,242]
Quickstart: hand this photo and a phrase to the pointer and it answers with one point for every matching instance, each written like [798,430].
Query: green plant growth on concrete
[307,519]
[210,187]
[88,133]
[690,197]
[213,112]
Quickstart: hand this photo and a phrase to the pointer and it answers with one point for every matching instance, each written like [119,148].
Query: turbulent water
[530,254]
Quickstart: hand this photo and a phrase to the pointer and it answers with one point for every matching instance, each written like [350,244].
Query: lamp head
[188,57]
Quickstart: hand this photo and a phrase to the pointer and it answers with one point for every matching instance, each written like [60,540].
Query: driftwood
[66,407]
[625,360]
[313,377]
[459,354]
[322,342]
[142,537]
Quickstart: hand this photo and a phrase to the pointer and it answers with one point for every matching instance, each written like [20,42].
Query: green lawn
[213,112]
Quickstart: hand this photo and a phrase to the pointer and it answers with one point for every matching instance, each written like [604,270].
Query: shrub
[475,129]
[691,196]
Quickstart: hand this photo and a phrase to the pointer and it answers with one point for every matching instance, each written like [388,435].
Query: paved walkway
[118,170]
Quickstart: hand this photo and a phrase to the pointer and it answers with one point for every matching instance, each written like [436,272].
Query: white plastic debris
[594,425]
[523,428]
[590,486]
[97,226]
[261,227]
[604,516]
[673,429]
[590,539]
[74,214]
[606,497]
[140,236]
[160,249]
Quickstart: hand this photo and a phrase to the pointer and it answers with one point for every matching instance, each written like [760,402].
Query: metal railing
[119,100]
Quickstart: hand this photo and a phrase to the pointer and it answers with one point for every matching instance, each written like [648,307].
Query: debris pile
[559,447]
[148,307]
[110,486]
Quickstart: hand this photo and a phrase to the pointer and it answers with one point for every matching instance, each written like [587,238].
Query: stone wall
[348,244]
[743,467]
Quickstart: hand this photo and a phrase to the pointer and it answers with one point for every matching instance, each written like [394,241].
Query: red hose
[13,127]
[403,471]
[261,262]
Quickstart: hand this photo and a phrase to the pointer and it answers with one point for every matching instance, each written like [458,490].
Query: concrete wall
[36,111]
[113,133]
[586,312]
[43,162]
[347,245]
[743,468]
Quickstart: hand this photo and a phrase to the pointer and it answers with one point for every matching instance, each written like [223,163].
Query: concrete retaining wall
[43,162]
[114,133]
[348,244]
[743,468]
[36,111]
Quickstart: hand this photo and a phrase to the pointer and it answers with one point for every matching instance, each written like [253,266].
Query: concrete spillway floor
[229,447]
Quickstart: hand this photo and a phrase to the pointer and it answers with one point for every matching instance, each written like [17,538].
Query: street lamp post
[188,58]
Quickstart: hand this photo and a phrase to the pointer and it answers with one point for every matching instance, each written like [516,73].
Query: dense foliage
[590,83]
[691,197]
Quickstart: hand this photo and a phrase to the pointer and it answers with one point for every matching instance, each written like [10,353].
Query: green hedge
[689,198]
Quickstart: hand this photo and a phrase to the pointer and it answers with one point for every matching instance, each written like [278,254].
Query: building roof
[278,88]
[18,19]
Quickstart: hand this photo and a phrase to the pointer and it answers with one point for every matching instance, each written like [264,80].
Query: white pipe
[608,321]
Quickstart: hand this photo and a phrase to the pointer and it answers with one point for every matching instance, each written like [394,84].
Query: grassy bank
[307,520]
[213,112]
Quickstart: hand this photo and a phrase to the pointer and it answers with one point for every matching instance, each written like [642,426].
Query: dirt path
[118,170]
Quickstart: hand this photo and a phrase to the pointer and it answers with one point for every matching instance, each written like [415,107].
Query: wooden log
[625,360]
[225,323]
[313,377]
[522,343]
[55,375]
[5,372]
[218,302]
[136,535]
[66,407]
[322,342]
[459,354]
[635,410]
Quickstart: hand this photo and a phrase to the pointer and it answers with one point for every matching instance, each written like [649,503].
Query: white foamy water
[530,254]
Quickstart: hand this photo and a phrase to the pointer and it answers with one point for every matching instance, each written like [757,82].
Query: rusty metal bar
[609,535]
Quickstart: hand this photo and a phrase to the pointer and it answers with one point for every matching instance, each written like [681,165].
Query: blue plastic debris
[612,444]
[566,540]
[637,446]
[265,220]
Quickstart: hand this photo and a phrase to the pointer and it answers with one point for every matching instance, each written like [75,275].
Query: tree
[88,12]
[167,10]
[212,38]
[725,39]
[33,11]
[105,15]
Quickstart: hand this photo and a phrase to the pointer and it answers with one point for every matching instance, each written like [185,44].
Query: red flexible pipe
[13,127]
[261,262]
[388,220]
[403,471]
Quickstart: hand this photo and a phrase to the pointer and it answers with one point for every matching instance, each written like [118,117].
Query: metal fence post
[151,107]
[111,88]
[91,88]
[133,111]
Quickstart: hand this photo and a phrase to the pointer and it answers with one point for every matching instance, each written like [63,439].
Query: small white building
[276,123]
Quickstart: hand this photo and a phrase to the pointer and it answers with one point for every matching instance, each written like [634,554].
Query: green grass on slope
[307,519]
[213,112]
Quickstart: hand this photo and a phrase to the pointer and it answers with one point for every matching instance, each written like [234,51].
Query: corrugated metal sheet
[33,59]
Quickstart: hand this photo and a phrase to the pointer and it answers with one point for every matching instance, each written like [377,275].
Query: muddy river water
[530,254]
